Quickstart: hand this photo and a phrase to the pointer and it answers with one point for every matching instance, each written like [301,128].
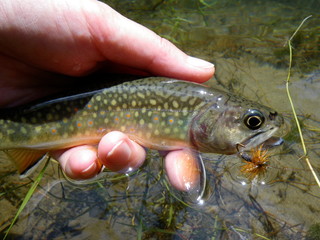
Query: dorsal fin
[24,159]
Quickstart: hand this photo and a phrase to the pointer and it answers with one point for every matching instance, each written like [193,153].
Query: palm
[43,43]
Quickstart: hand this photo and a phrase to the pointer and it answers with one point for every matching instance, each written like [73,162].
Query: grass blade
[292,105]
[27,197]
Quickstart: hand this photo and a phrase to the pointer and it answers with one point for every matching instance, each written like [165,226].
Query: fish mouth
[258,138]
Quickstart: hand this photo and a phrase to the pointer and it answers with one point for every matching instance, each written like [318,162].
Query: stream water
[247,42]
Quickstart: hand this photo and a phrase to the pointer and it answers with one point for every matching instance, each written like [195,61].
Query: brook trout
[158,113]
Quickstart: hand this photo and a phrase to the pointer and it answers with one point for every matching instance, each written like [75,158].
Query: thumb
[128,43]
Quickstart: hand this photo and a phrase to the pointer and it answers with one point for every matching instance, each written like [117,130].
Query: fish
[158,113]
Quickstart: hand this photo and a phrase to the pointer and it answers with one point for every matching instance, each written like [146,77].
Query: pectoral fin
[25,159]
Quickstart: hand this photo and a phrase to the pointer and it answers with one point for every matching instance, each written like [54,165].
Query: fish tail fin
[25,159]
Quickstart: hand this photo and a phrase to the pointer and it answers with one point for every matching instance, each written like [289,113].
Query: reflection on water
[245,40]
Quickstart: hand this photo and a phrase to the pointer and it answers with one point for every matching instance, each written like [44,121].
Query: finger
[88,33]
[118,153]
[79,162]
[182,169]
[128,43]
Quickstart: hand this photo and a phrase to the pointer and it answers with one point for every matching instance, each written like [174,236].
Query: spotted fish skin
[159,113]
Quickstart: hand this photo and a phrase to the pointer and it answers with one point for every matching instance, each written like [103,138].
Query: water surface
[247,42]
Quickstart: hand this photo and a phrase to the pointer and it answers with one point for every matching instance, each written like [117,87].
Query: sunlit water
[247,42]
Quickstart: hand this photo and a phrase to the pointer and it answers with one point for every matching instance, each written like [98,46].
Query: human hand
[53,39]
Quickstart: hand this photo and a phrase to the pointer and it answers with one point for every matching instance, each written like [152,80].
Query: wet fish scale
[90,115]
[158,113]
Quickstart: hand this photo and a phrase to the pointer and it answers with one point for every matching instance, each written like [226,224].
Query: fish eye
[253,119]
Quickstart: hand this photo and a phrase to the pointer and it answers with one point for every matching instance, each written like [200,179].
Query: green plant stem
[292,105]
[27,197]
[291,102]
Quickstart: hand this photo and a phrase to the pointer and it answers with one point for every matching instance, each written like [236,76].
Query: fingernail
[197,62]
[90,171]
[123,147]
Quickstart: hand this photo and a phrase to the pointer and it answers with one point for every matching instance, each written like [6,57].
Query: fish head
[235,128]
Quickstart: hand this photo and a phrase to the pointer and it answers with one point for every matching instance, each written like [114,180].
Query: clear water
[247,42]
